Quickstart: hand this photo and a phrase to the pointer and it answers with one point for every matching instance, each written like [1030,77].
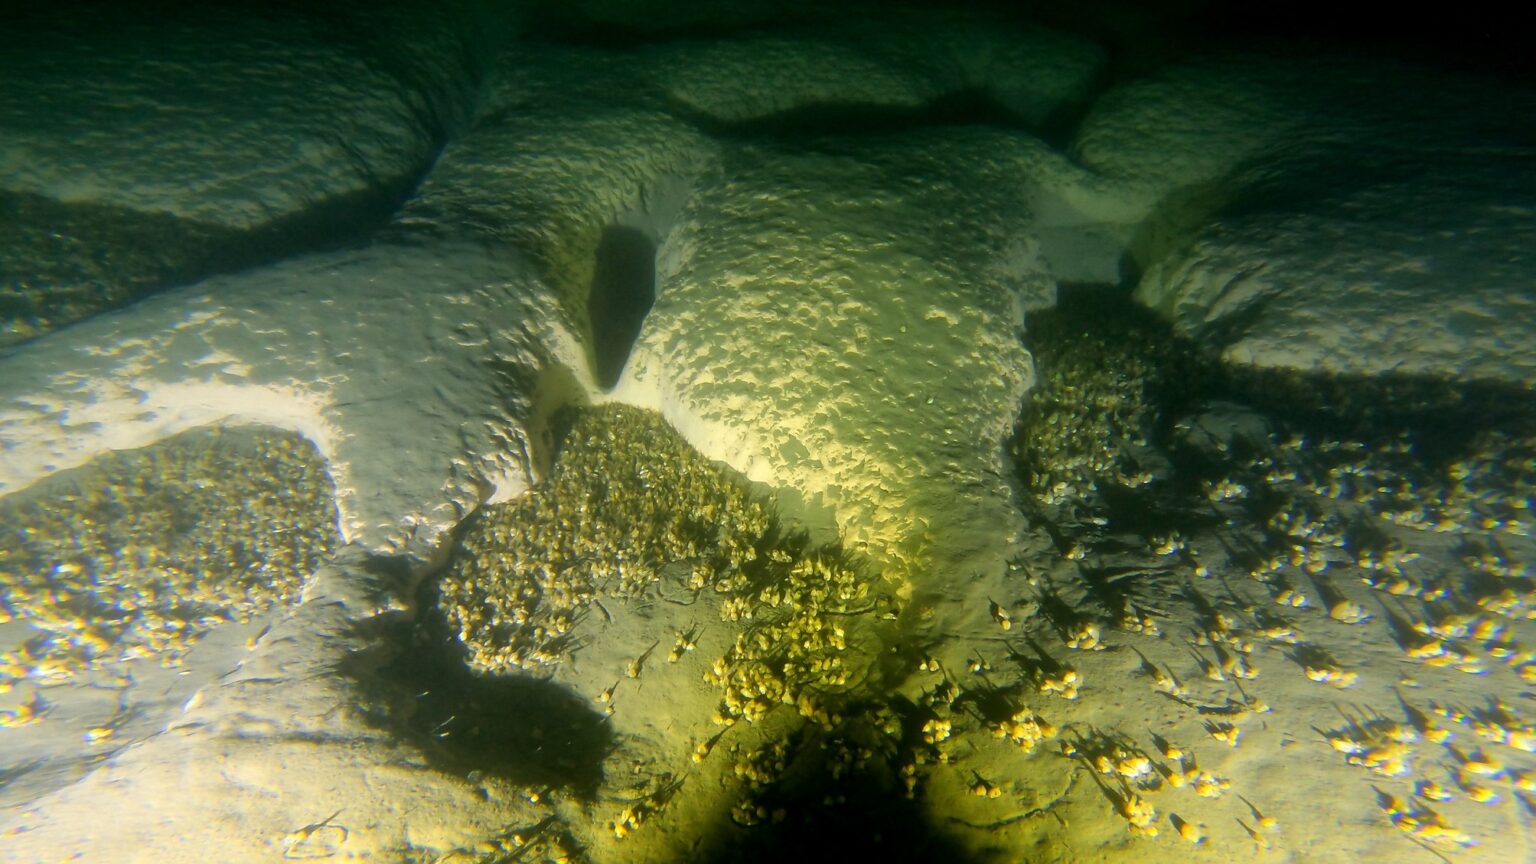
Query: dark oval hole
[623,291]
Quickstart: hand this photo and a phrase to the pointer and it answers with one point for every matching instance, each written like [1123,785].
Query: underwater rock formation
[566,142]
[192,134]
[793,286]
[1418,273]
[572,140]
[910,65]
[1329,215]
[414,370]
[842,240]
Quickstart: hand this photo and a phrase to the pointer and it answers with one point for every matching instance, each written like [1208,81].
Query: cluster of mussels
[1446,544]
[1107,384]
[628,499]
[142,552]
[796,650]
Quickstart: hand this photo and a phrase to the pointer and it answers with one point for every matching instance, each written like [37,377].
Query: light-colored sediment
[414,369]
[277,760]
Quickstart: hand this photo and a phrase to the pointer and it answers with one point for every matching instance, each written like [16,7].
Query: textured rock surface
[565,143]
[568,140]
[569,144]
[1313,215]
[1194,124]
[1421,276]
[414,371]
[905,61]
[210,138]
[841,299]
[793,291]
[199,116]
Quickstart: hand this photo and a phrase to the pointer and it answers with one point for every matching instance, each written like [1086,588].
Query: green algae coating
[142,552]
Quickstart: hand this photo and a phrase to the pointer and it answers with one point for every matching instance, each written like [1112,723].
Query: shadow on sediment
[810,816]
[527,730]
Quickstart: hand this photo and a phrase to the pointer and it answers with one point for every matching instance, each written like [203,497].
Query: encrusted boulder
[566,142]
[794,288]
[1426,274]
[899,67]
[1329,215]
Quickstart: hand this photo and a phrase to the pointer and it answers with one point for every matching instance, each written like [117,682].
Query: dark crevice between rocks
[565,24]
[971,106]
[870,815]
[623,291]
[1440,415]
[1172,224]
[967,107]
[819,805]
[64,263]
[440,90]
